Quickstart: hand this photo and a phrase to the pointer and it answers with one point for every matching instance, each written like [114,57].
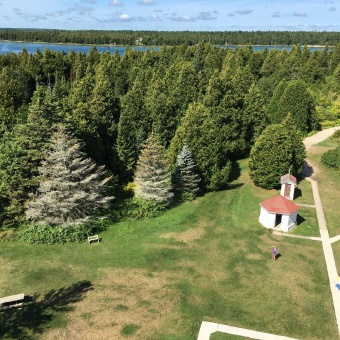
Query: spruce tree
[186,180]
[153,177]
[72,186]
[274,153]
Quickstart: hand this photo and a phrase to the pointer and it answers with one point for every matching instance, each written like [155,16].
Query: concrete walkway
[327,250]
[325,239]
[207,328]
[280,233]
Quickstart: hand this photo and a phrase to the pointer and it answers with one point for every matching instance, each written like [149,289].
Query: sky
[172,15]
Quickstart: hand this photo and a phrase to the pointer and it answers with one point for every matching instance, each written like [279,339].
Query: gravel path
[319,137]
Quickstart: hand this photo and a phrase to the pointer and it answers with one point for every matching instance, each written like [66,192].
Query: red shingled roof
[279,205]
[288,177]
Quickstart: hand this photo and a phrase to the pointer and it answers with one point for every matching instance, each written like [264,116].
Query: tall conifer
[153,177]
[186,180]
[72,186]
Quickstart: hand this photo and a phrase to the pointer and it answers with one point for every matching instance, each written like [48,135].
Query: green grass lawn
[160,278]
[329,186]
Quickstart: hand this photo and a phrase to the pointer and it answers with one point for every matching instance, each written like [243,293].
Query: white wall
[267,219]
[288,221]
[292,189]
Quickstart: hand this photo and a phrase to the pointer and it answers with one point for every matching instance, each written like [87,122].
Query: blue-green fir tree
[186,180]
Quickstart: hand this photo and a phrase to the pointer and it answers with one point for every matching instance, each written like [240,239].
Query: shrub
[37,234]
[331,158]
[336,136]
[146,208]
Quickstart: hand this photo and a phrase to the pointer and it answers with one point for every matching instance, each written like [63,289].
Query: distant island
[171,38]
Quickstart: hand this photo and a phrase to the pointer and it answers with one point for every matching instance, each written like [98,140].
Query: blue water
[16,47]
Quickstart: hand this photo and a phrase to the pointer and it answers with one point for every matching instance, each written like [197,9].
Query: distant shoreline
[114,45]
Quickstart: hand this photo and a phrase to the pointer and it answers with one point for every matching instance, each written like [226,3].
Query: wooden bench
[12,301]
[93,238]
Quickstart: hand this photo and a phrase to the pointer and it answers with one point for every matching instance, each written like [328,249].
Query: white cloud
[243,11]
[154,16]
[80,9]
[299,15]
[206,16]
[56,13]
[147,2]
[182,18]
[124,17]
[276,15]
[115,3]
[333,9]
[28,17]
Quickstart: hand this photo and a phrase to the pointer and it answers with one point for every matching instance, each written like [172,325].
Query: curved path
[207,328]
[325,239]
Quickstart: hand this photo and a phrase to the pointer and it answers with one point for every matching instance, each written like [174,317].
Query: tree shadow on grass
[37,311]
[235,171]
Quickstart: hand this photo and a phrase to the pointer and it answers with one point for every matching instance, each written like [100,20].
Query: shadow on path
[307,170]
[30,320]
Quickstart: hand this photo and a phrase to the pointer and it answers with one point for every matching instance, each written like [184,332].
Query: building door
[287,190]
[278,219]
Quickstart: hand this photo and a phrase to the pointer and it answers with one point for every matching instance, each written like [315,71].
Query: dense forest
[172,38]
[201,107]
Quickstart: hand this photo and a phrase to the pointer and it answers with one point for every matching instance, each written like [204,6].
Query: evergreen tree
[186,179]
[21,151]
[72,186]
[153,177]
[134,124]
[274,153]
[208,134]
[254,118]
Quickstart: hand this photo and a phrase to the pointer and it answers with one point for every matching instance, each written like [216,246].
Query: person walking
[274,252]
[337,283]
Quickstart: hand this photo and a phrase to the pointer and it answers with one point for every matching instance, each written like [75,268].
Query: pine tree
[274,153]
[72,186]
[186,180]
[153,177]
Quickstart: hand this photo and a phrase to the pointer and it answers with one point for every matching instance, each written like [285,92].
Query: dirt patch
[121,297]
[188,236]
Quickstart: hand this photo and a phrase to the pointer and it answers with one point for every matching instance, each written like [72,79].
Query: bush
[146,208]
[336,136]
[331,158]
[329,123]
[37,234]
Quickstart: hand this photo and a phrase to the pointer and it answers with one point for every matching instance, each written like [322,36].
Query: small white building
[288,184]
[278,212]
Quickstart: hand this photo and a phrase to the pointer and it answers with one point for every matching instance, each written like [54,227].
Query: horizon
[171,15]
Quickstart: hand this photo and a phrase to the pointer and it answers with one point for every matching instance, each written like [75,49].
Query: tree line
[171,38]
[165,124]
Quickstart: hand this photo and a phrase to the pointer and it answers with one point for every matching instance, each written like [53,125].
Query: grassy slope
[329,188]
[158,279]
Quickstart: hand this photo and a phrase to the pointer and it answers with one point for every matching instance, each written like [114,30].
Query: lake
[16,47]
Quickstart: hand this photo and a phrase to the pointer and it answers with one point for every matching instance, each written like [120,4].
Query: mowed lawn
[329,189]
[160,278]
